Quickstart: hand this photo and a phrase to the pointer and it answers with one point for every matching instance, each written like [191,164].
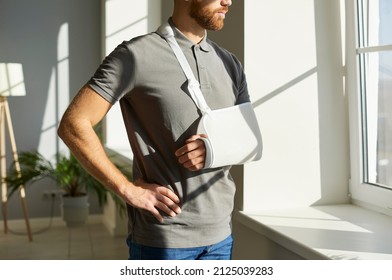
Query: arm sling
[233,133]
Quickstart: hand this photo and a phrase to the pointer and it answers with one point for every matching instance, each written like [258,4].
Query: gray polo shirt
[146,78]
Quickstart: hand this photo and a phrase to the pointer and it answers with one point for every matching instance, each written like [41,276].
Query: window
[375,64]
[373,60]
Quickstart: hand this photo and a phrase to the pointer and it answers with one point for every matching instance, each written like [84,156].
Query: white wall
[293,60]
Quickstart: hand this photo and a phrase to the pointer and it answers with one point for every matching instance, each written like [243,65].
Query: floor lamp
[11,84]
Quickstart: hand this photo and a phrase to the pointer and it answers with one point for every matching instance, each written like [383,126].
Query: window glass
[375,20]
[376,17]
[377,109]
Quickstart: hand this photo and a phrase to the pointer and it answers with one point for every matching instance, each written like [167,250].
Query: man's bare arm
[77,131]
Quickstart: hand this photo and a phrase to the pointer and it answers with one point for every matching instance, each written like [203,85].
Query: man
[176,209]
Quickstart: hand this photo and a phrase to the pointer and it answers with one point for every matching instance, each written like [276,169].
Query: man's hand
[153,197]
[192,155]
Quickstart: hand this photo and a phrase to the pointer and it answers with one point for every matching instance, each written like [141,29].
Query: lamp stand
[5,119]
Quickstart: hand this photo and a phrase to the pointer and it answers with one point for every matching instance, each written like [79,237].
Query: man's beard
[206,18]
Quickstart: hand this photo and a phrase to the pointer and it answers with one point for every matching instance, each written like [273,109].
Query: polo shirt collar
[184,41]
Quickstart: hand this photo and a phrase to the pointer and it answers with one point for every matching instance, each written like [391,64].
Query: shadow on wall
[58,45]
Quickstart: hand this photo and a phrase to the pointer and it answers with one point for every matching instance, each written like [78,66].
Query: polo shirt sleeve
[114,77]
[242,86]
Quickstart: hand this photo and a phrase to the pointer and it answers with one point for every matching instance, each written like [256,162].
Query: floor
[52,240]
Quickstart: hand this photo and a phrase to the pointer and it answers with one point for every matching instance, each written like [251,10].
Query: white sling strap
[193,85]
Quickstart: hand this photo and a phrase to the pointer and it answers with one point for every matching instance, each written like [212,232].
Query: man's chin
[217,26]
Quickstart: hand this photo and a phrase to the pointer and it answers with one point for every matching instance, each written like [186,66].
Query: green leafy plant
[68,173]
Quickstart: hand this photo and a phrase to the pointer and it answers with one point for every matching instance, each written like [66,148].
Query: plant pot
[75,210]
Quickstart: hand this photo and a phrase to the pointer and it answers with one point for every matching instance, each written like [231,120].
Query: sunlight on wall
[295,76]
[124,20]
[58,97]
[282,76]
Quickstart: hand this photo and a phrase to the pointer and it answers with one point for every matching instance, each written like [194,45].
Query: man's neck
[189,27]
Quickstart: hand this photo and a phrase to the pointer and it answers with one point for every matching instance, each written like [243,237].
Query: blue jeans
[219,251]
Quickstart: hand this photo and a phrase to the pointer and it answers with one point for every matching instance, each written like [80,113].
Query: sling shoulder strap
[166,31]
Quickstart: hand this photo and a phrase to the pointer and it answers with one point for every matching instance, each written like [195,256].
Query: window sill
[325,232]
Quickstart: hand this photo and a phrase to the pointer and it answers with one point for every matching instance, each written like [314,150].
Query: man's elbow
[60,130]
[63,129]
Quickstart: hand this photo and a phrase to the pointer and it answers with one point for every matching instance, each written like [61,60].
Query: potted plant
[70,176]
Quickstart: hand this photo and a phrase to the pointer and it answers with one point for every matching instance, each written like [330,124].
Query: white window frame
[363,194]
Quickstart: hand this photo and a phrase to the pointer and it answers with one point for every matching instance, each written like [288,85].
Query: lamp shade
[12,80]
